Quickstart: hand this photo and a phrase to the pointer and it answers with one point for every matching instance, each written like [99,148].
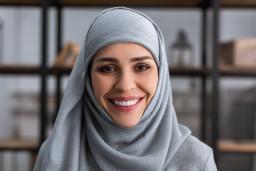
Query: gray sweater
[193,156]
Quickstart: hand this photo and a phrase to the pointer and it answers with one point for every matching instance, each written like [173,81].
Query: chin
[127,124]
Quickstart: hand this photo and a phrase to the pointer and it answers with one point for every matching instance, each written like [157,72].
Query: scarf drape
[84,136]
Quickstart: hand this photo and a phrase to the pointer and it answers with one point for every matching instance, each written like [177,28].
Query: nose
[125,81]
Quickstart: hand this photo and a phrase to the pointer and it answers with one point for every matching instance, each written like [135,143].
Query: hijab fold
[84,136]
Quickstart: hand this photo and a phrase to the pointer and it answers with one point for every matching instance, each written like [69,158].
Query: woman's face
[124,79]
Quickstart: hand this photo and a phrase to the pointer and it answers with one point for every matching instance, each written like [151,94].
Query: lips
[125,103]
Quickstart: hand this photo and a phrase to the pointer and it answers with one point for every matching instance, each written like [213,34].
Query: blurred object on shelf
[25,109]
[182,50]
[1,40]
[188,115]
[236,103]
[182,55]
[240,52]
[67,55]
[238,123]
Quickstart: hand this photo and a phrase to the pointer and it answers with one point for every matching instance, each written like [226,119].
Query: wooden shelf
[188,71]
[60,70]
[19,69]
[31,70]
[142,3]
[238,3]
[237,71]
[159,3]
[98,3]
[19,2]
[135,3]
[26,3]
[230,146]
[18,144]
[227,71]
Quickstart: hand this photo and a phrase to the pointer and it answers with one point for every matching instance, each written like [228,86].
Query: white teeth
[126,103]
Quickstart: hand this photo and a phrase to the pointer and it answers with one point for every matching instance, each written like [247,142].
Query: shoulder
[193,155]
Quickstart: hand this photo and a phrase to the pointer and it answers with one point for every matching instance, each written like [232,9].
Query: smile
[126,103]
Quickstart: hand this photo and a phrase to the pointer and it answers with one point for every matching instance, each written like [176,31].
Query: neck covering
[84,136]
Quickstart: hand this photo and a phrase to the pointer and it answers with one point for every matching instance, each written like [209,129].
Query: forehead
[123,50]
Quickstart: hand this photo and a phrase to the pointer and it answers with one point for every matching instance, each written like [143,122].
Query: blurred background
[189,39]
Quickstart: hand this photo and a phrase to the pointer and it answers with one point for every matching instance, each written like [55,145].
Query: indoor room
[209,54]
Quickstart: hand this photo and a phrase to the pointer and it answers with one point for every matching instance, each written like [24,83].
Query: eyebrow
[114,60]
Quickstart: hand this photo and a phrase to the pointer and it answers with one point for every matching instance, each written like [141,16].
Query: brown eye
[141,67]
[107,69]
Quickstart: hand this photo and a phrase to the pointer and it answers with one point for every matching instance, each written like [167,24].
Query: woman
[117,111]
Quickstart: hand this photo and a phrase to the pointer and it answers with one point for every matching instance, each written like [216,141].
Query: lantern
[181,50]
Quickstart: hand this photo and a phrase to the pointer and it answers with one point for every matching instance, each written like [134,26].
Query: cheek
[101,85]
[149,83]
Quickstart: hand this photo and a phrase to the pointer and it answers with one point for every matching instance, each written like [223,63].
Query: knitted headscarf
[85,138]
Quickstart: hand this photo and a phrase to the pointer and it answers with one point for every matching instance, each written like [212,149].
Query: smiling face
[124,79]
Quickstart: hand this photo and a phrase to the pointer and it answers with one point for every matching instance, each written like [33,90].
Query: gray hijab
[84,136]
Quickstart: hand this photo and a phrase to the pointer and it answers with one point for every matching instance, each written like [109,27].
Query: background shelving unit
[214,72]
[58,71]
[43,71]
[16,70]
[228,146]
